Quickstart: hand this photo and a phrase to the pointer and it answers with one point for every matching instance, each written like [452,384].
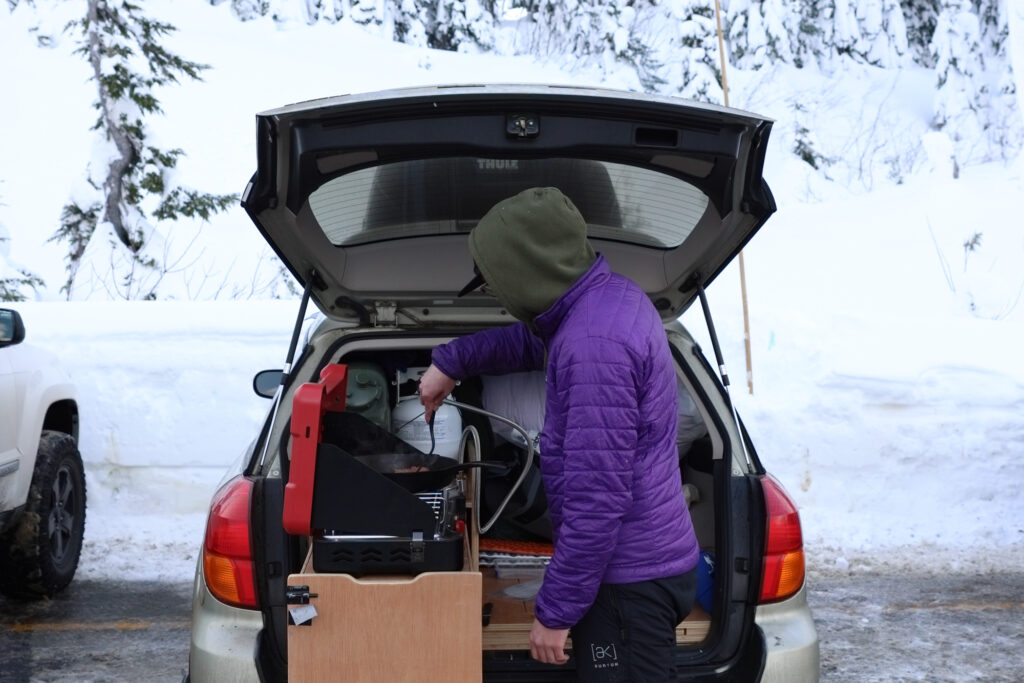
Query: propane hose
[476,475]
[471,433]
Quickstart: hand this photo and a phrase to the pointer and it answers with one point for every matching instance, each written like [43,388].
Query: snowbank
[897,432]
[166,405]
[886,405]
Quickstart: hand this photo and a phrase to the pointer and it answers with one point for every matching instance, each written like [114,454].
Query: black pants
[629,633]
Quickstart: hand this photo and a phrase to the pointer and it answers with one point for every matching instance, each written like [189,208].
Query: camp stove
[372,503]
[437,549]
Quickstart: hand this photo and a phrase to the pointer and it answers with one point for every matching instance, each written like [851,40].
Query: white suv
[42,481]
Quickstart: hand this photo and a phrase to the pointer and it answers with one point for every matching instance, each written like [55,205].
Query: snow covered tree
[921,17]
[812,37]
[460,25]
[805,143]
[287,11]
[845,31]
[12,286]
[247,10]
[1005,125]
[12,278]
[574,27]
[634,39]
[701,77]
[315,10]
[760,32]
[867,31]
[599,34]
[992,22]
[961,95]
[881,33]
[135,190]
[409,23]
[369,13]
[463,25]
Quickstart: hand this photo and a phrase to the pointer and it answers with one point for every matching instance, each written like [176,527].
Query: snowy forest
[120,219]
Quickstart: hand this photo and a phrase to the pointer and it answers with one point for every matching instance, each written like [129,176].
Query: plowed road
[872,628]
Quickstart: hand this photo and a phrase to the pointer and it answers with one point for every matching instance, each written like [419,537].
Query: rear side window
[435,196]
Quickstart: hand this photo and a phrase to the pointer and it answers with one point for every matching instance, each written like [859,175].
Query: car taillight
[227,551]
[784,549]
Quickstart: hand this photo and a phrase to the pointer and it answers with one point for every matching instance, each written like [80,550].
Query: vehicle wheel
[39,555]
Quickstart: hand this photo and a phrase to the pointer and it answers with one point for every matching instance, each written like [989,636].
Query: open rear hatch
[368,198]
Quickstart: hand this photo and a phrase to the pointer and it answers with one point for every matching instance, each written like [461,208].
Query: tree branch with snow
[137,191]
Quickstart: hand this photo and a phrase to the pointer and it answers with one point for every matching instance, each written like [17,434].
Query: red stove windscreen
[309,404]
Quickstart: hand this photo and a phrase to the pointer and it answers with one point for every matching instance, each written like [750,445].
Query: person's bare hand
[434,388]
[548,644]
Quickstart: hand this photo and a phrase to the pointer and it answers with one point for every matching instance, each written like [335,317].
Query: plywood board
[395,629]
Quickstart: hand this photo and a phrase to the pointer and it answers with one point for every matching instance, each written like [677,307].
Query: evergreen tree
[600,34]
[573,27]
[409,23]
[13,280]
[369,13]
[633,36]
[12,286]
[1005,125]
[462,25]
[866,31]
[805,143]
[921,17]
[845,33]
[882,33]
[247,10]
[759,32]
[328,10]
[961,96]
[814,37]
[136,189]
[699,65]
[993,25]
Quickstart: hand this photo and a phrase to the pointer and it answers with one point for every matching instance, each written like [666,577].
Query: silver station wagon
[354,542]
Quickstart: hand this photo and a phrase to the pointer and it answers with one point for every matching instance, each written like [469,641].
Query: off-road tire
[39,554]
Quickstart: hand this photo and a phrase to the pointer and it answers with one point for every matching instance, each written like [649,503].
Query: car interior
[493,519]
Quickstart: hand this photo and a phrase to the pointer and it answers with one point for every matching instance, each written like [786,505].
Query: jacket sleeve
[596,383]
[496,351]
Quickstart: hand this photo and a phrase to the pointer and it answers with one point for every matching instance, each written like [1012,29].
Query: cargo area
[442,557]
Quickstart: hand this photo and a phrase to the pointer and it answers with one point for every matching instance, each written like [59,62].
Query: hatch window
[438,196]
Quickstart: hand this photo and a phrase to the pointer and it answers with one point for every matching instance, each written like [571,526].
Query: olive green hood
[531,248]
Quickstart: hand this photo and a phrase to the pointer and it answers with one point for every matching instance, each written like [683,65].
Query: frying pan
[435,471]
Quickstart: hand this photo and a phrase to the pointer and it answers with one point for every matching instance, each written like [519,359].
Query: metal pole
[743,275]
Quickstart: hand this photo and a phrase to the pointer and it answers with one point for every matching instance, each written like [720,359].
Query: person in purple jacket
[623,573]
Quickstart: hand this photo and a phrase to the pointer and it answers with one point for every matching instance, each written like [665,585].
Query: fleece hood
[531,248]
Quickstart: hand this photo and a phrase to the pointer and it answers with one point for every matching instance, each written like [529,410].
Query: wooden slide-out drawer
[422,628]
[396,629]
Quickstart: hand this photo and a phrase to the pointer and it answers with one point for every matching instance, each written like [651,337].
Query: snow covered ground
[888,377]
[889,411]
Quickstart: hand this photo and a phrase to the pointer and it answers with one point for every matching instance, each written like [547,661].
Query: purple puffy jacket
[608,448]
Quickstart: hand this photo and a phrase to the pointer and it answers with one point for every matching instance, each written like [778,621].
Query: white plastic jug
[407,424]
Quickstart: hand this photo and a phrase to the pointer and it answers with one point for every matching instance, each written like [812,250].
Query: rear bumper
[791,641]
[224,648]
[224,639]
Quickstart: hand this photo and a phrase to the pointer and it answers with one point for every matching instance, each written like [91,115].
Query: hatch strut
[721,364]
[279,392]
